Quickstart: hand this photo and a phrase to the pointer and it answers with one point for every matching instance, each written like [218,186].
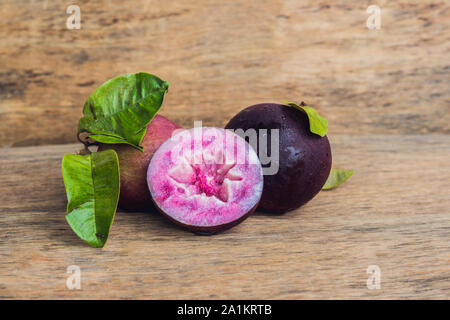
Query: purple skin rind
[211,230]
[305,158]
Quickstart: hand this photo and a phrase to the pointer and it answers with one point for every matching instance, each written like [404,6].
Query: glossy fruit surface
[304,157]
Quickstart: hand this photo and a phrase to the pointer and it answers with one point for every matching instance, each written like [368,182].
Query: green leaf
[317,124]
[110,140]
[120,109]
[336,178]
[92,187]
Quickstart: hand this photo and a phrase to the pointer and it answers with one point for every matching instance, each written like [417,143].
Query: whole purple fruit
[304,157]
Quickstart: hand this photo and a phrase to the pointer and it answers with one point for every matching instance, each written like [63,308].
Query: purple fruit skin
[207,231]
[305,158]
[134,193]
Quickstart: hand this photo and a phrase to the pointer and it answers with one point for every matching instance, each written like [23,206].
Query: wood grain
[394,213]
[221,56]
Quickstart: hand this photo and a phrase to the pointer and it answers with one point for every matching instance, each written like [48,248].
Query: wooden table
[384,92]
[393,213]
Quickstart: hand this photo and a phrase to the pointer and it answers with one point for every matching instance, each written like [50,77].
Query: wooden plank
[394,213]
[222,56]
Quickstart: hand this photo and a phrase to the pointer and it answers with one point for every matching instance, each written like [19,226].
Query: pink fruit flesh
[206,179]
